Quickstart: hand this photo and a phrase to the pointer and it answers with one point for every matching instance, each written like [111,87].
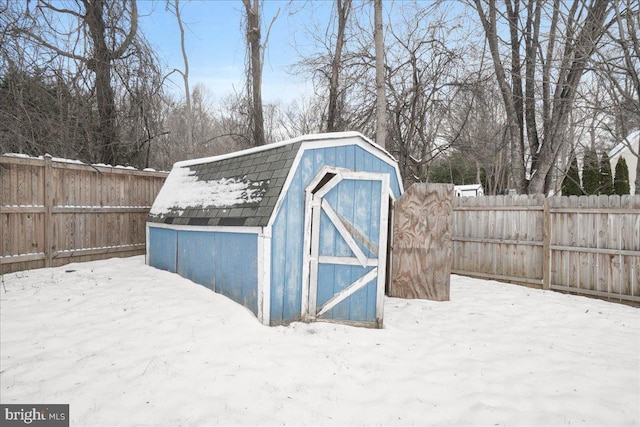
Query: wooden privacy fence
[55,212]
[588,245]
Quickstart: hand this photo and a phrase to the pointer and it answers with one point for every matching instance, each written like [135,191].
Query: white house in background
[471,190]
[629,149]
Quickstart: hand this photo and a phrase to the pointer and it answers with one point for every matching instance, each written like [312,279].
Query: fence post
[546,253]
[48,207]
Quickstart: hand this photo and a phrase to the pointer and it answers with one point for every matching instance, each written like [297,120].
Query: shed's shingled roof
[261,172]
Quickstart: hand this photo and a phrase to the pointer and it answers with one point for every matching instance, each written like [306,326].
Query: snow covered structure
[296,230]
[629,149]
[469,190]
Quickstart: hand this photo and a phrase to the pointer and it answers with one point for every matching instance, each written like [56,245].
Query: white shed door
[346,246]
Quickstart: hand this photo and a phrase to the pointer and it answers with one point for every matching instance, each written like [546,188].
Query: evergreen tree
[590,172]
[621,178]
[571,182]
[606,178]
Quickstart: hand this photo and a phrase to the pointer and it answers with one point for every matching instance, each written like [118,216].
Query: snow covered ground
[127,345]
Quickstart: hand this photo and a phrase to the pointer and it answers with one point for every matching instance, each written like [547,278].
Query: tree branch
[48,45]
[49,6]
[132,32]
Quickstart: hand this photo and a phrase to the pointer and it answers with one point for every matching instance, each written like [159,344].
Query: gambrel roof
[235,189]
[241,190]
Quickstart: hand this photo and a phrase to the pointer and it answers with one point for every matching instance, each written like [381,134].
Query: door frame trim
[311,258]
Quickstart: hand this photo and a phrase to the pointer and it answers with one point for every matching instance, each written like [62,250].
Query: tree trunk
[566,91]
[517,154]
[100,64]
[638,175]
[333,115]
[185,77]
[381,98]
[255,70]
[535,176]
[531,45]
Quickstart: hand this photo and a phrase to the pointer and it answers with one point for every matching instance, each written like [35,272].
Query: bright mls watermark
[34,415]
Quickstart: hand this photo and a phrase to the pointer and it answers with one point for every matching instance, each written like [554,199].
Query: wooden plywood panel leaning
[422,248]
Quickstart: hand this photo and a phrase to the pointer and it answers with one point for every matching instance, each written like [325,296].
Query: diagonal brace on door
[361,238]
[335,219]
[349,290]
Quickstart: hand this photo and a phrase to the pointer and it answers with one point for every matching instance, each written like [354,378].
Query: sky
[215,44]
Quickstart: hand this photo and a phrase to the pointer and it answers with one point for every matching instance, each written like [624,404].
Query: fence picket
[55,212]
[587,245]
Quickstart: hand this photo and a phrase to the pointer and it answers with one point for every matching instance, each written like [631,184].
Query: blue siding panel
[341,280]
[235,267]
[162,248]
[330,156]
[328,236]
[364,216]
[195,257]
[326,273]
[294,253]
[332,279]
[371,289]
[278,266]
[224,262]
[344,207]
[358,308]
[359,156]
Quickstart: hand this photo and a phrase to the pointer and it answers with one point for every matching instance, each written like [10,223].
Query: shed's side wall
[224,262]
[195,258]
[162,248]
[288,227]
[235,268]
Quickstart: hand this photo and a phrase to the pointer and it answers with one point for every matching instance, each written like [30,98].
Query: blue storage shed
[296,230]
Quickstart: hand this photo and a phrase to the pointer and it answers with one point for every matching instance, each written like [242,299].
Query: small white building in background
[629,149]
[470,190]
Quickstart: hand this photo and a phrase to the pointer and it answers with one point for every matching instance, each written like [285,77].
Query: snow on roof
[184,189]
[245,188]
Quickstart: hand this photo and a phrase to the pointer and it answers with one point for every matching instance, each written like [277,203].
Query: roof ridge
[274,145]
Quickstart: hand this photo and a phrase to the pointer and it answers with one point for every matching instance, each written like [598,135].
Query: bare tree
[334,119]
[110,28]
[255,59]
[543,84]
[617,66]
[381,96]
[477,130]
[340,65]
[175,8]
[43,101]
[422,82]
[140,100]
[300,117]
